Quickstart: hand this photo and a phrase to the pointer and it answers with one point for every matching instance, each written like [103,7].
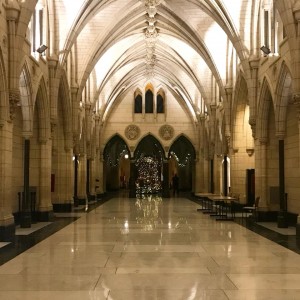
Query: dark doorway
[182,157]
[115,152]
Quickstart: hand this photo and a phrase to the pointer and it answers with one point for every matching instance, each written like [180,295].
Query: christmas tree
[148,181]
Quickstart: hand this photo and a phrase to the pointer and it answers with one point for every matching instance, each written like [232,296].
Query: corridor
[151,248]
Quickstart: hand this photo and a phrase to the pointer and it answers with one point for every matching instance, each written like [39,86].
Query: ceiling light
[41,49]
[266,50]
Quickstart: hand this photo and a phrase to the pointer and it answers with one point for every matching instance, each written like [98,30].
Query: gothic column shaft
[7,227]
[45,206]
[263,174]
[25,221]
[82,168]
[253,84]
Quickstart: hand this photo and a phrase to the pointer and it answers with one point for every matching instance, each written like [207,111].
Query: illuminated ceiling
[186,46]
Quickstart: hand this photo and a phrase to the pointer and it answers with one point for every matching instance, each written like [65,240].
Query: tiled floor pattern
[152,248]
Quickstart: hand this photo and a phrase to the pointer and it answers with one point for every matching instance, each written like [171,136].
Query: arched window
[36,30]
[160,109]
[138,105]
[272,31]
[149,102]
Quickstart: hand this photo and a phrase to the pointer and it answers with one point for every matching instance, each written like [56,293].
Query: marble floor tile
[118,251]
[164,294]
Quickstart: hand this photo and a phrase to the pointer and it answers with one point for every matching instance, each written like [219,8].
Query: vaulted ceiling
[185,46]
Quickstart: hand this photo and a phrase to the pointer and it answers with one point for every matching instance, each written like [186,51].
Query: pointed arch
[149,146]
[265,102]
[160,101]
[4,105]
[65,100]
[25,87]
[149,98]
[282,96]
[138,101]
[114,149]
[241,128]
[182,149]
[42,107]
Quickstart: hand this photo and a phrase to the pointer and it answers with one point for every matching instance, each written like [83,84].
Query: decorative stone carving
[14,101]
[166,132]
[132,132]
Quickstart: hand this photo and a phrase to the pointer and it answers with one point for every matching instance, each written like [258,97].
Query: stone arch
[149,146]
[182,156]
[113,154]
[64,96]
[265,102]
[183,146]
[240,116]
[3,92]
[26,100]
[114,148]
[42,107]
[282,96]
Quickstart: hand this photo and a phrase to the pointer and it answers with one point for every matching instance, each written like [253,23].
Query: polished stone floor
[149,248]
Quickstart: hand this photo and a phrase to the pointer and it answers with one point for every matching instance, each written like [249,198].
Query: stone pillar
[263,175]
[53,87]
[132,179]
[212,176]
[296,102]
[227,107]
[165,183]
[45,209]
[25,220]
[7,225]
[92,185]
[12,16]
[282,221]
[82,167]
[295,52]
[75,196]
[253,86]
[200,160]
[102,183]
[225,176]
[75,112]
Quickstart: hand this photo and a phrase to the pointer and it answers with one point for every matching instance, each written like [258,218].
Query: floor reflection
[148,213]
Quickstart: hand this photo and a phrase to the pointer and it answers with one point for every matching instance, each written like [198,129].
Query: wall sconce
[265,50]
[42,49]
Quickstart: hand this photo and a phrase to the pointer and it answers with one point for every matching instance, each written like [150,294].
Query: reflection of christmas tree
[148,180]
[148,211]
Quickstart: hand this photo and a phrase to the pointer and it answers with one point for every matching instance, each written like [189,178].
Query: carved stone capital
[14,101]
[12,10]
[254,62]
[296,11]
[295,100]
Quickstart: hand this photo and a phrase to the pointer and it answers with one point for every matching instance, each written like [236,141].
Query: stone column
[225,175]
[7,225]
[12,16]
[263,175]
[53,87]
[227,107]
[200,160]
[132,178]
[165,183]
[45,209]
[282,221]
[75,112]
[82,167]
[25,220]
[295,52]
[253,85]
[296,102]
[101,175]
